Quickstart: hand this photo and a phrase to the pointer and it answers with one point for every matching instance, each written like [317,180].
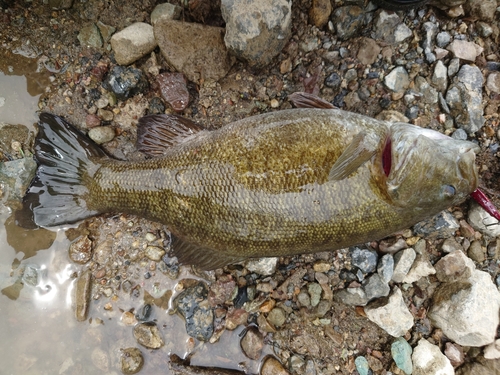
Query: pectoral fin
[359,151]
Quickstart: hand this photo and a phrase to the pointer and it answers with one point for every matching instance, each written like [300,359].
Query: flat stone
[196,50]
[465,50]
[133,42]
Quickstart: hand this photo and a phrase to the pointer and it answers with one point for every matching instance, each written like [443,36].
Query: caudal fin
[67,160]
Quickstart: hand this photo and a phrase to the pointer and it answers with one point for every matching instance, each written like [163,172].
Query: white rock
[492,351]
[482,221]
[421,268]
[397,80]
[493,82]
[394,317]
[403,260]
[428,360]
[467,311]
[401,33]
[465,50]
[262,266]
[133,42]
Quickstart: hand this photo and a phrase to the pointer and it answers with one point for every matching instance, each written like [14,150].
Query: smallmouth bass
[289,182]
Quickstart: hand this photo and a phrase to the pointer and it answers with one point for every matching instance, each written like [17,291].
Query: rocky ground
[425,301]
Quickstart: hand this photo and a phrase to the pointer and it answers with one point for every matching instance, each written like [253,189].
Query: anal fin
[155,133]
[202,257]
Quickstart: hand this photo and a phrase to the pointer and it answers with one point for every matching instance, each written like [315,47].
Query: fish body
[283,183]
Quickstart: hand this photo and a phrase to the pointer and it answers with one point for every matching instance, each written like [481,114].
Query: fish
[295,181]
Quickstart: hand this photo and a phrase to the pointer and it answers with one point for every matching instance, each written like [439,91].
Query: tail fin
[67,160]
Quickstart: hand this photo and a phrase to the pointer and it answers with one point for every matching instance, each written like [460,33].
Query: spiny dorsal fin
[305,100]
[359,151]
[205,258]
[155,133]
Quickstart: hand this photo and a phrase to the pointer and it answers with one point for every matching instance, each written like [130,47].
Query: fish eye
[448,191]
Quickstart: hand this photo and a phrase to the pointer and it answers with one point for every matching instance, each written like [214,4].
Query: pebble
[368,51]
[362,365]
[131,360]
[167,11]
[154,253]
[397,80]
[92,120]
[454,353]
[257,31]
[128,318]
[389,29]
[133,42]
[277,317]
[443,225]
[271,366]
[319,13]
[443,39]
[364,259]
[476,253]
[148,335]
[492,351]
[192,48]
[90,36]
[314,290]
[385,267]
[375,287]
[193,305]
[493,82]
[235,318]
[421,268]
[105,115]
[102,134]
[262,266]
[82,298]
[221,291]
[125,82]
[348,21]
[401,353]
[173,88]
[252,343]
[428,359]
[80,250]
[393,317]
[403,260]
[351,296]
[440,76]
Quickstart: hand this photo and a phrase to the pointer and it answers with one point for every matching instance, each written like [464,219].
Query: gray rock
[385,267]
[15,177]
[453,67]
[148,335]
[475,252]
[364,259]
[428,360]
[256,31]
[459,134]
[193,305]
[102,134]
[165,10]
[430,32]
[393,316]
[443,225]
[133,42]
[90,36]
[262,266]
[397,80]
[403,260]
[315,291]
[440,76]
[196,50]
[348,21]
[351,296]
[450,245]
[466,310]
[125,82]
[376,287]
[429,93]
[482,221]
[384,27]
[443,39]
[484,29]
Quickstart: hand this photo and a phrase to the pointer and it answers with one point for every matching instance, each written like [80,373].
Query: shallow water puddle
[39,331]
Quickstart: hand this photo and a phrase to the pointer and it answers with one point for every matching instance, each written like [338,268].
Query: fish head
[428,170]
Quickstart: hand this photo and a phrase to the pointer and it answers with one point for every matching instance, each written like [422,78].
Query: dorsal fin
[203,257]
[306,100]
[155,133]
